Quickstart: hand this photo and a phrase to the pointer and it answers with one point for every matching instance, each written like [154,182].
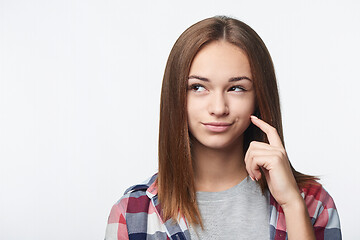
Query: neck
[218,169]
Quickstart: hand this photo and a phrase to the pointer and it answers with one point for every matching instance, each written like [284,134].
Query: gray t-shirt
[241,212]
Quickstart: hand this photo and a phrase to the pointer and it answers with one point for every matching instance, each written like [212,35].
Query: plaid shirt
[137,215]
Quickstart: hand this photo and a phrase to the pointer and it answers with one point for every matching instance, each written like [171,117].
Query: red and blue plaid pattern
[137,215]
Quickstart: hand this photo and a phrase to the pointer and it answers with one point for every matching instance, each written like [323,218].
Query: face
[220,96]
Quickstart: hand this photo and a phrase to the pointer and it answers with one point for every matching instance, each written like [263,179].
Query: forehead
[220,59]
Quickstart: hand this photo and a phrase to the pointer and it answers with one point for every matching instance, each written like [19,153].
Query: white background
[79,102]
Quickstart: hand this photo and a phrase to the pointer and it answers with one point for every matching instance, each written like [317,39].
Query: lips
[217,126]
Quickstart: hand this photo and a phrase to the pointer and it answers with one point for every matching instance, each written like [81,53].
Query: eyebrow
[233,79]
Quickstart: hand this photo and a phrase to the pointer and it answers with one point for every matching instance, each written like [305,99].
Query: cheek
[191,119]
[191,116]
[245,108]
[194,107]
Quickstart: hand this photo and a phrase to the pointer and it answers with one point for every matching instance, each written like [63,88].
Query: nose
[218,105]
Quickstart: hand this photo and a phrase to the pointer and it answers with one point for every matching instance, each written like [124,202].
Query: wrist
[295,205]
[297,220]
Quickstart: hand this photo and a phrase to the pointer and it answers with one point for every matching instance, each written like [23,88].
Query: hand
[273,161]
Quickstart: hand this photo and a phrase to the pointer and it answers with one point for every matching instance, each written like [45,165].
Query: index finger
[270,131]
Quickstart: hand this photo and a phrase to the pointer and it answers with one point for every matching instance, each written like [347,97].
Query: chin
[222,146]
[219,144]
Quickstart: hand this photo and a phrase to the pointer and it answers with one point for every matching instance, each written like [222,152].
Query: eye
[237,89]
[197,87]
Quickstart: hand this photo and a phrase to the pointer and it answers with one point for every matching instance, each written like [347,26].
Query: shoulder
[317,199]
[141,187]
[139,193]
[136,199]
[322,211]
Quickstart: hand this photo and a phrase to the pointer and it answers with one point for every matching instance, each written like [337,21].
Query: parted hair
[176,188]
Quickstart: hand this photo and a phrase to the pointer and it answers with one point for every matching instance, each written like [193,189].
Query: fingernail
[256,179]
[251,177]
[252,116]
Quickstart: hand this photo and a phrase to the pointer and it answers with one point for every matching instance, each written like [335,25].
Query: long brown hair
[176,191]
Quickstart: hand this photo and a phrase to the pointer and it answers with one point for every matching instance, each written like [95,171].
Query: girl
[223,169]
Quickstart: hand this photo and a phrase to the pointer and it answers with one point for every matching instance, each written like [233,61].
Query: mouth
[217,126]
